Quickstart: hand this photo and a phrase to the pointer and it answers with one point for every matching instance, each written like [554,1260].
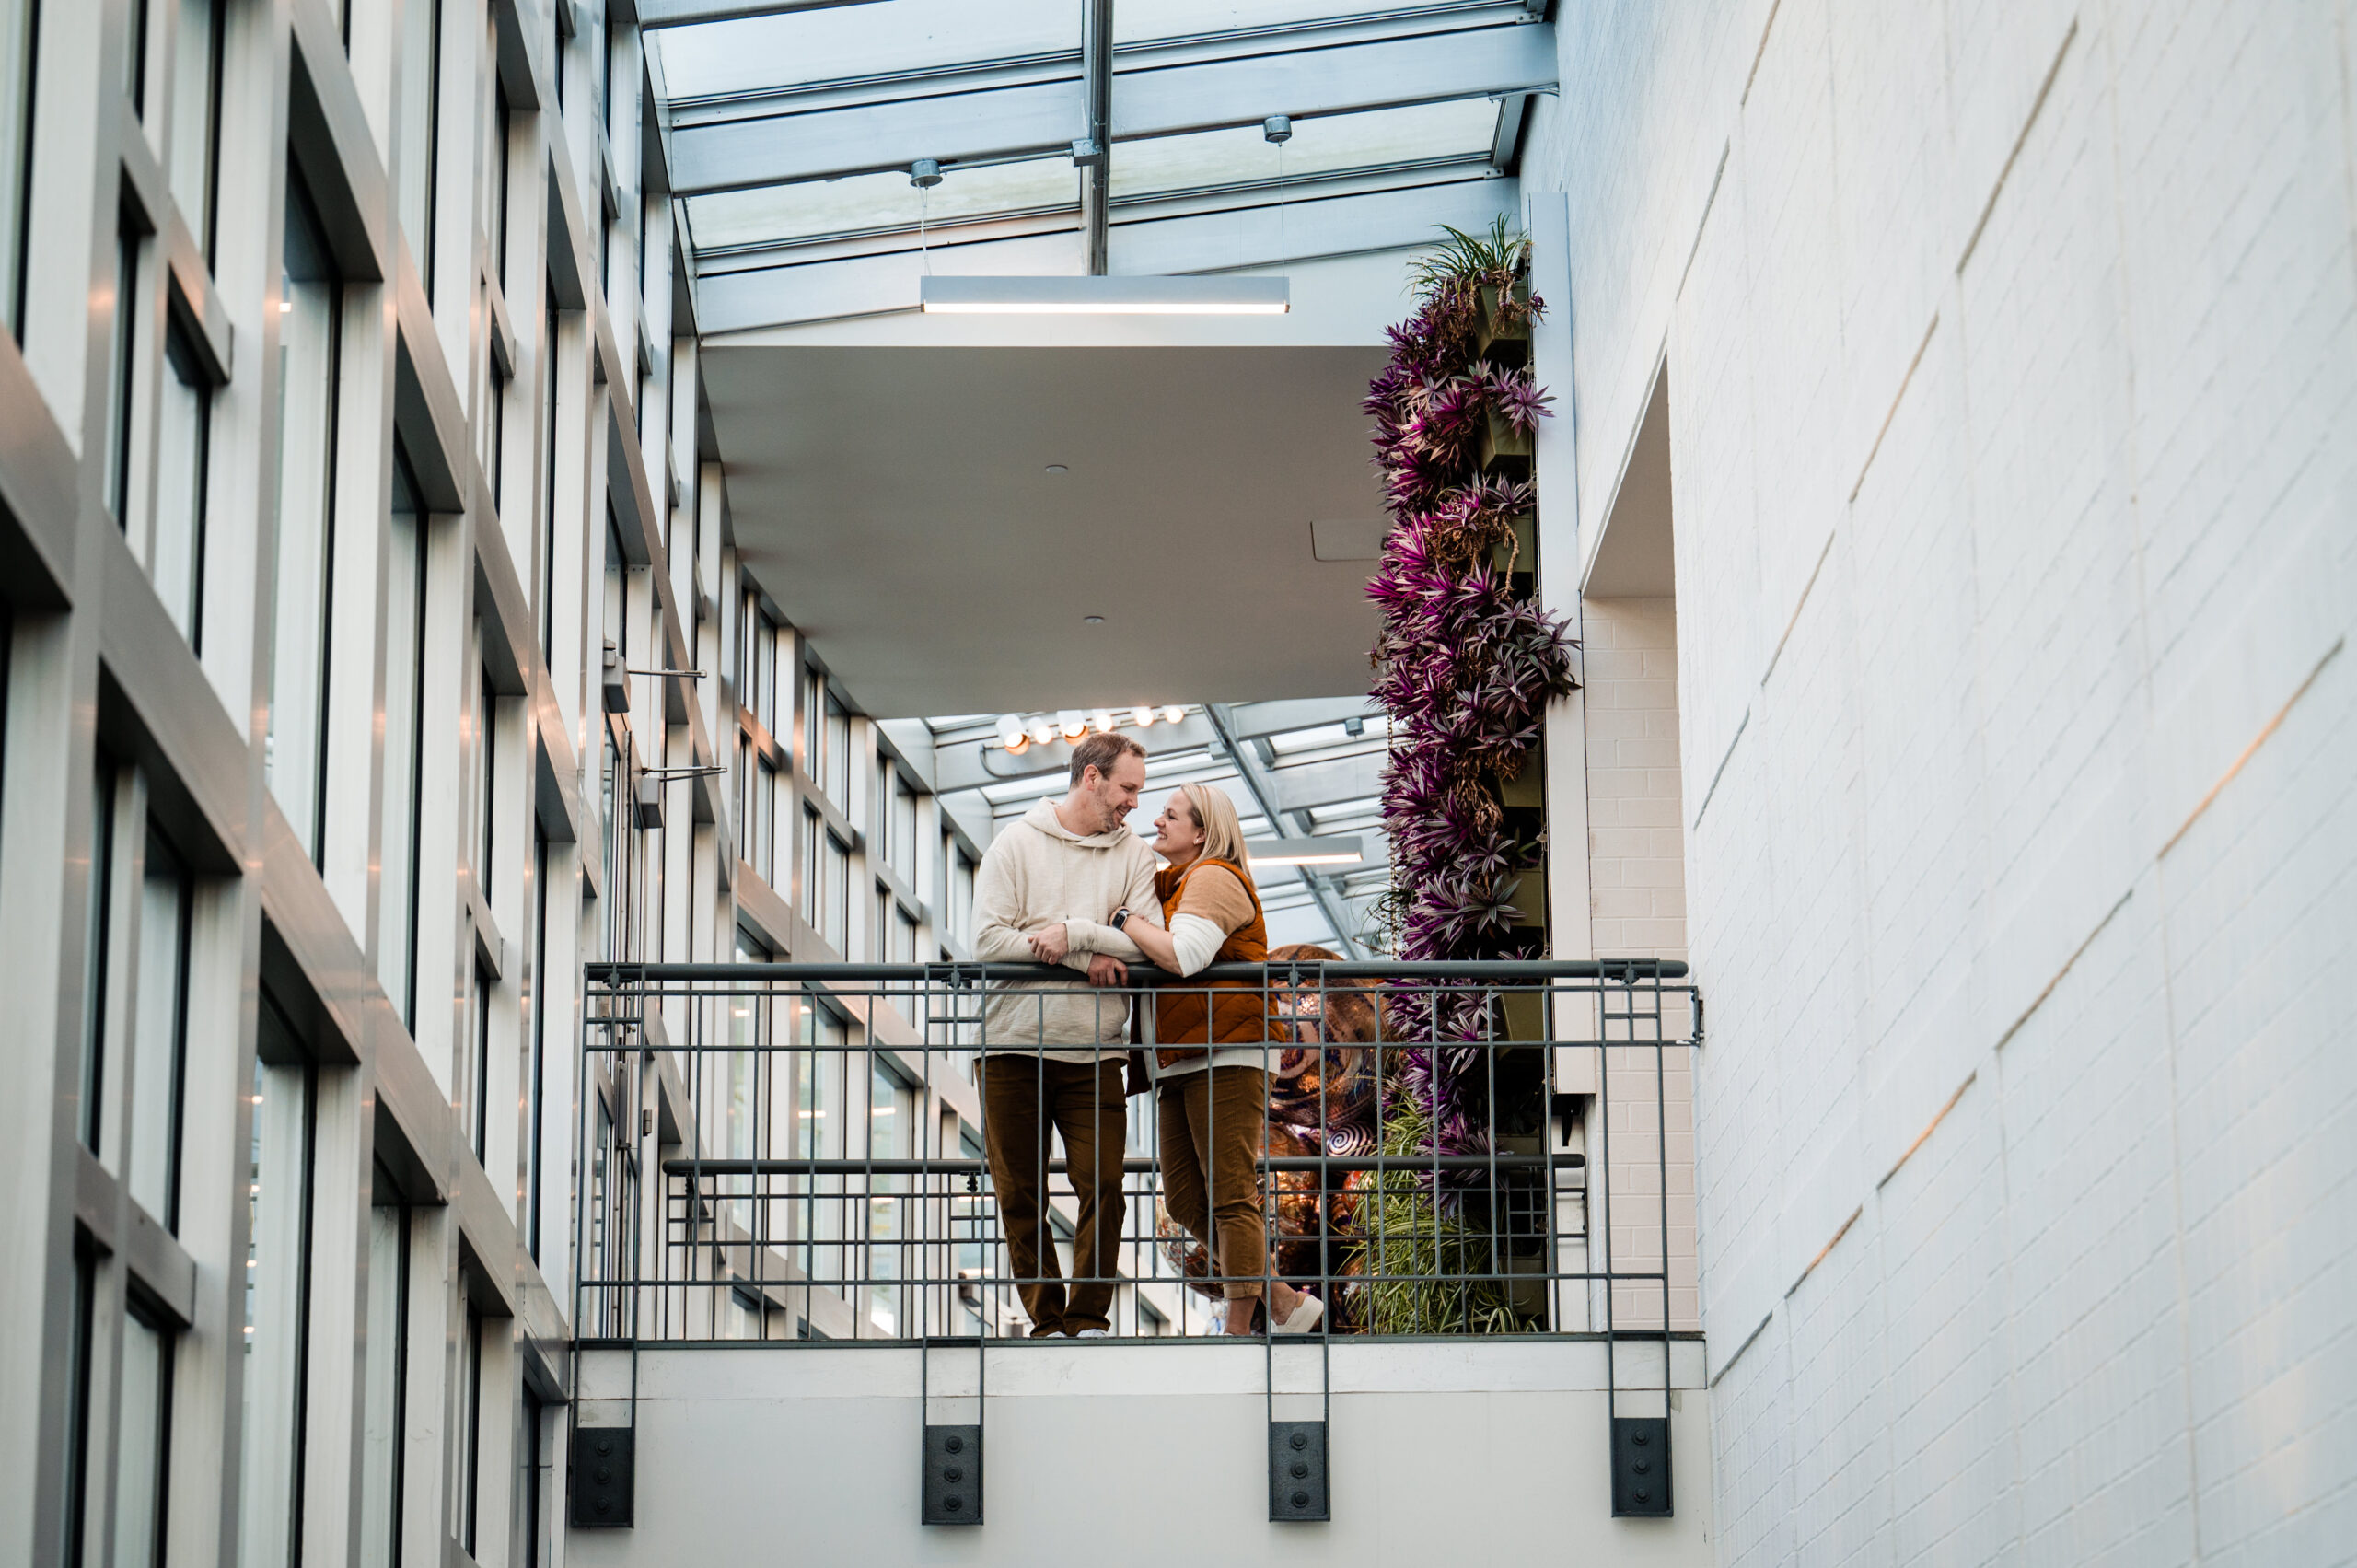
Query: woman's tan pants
[1211,1129]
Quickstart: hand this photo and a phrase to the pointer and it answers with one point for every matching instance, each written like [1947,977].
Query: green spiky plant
[1462,258]
[1417,1256]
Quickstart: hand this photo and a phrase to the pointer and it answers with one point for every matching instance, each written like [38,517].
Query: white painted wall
[1146,1454]
[2012,354]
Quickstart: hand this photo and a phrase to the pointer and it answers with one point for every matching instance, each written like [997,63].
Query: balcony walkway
[1142,1452]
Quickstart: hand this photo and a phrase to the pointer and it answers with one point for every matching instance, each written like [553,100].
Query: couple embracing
[1072,885]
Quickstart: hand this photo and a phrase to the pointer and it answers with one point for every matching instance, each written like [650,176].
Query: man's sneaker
[1092,1334]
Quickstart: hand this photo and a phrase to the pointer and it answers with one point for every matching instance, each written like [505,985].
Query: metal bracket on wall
[953,1475]
[1297,1491]
[1641,1467]
[604,1467]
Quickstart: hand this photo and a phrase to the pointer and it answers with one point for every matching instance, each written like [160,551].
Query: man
[1057,886]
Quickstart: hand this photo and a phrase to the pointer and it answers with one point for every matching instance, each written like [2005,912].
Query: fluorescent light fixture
[1106,297]
[1306,852]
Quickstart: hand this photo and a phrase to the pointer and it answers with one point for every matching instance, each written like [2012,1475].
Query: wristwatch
[1121,918]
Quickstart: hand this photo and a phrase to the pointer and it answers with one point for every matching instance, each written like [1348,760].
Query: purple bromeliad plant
[1465,667]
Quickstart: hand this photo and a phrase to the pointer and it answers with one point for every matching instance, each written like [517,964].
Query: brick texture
[2011,350]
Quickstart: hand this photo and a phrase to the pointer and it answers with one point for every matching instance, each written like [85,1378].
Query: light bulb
[1174,713]
[1010,731]
[1042,731]
[1142,717]
[1019,745]
[1103,719]
[1072,722]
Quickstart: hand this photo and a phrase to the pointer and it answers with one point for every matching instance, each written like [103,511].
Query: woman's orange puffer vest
[1240,1017]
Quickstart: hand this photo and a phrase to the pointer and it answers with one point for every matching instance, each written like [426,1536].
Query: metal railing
[796,1153]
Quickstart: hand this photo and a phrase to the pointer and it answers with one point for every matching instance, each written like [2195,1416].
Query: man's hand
[1050,943]
[1106,969]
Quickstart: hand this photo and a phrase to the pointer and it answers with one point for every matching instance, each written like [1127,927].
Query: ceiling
[894,499]
[1057,136]
[1634,554]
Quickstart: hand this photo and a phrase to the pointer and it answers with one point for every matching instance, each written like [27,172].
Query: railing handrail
[1473,972]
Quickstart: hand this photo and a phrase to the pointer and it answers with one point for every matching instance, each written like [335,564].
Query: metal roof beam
[686,13]
[966,766]
[1044,119]
[1339,225]
[875,285]
[1096,154]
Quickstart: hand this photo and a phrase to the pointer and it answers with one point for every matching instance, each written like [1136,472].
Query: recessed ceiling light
[1058,468]
[1092,620]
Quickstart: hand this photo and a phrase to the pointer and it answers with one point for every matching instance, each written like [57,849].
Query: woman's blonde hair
[1215,813]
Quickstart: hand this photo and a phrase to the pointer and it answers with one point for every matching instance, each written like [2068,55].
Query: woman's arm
[1156,943]
[1215,906]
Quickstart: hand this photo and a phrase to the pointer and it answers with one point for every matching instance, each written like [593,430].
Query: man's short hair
[1101,752]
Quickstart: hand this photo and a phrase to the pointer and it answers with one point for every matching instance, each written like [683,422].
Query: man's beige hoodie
[1038,872]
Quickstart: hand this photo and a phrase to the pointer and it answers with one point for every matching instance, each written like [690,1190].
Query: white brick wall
[1637,897]
[2012,354]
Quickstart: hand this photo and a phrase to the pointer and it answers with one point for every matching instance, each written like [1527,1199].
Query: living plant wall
[1466,661]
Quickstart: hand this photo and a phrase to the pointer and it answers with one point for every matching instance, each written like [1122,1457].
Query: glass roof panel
[863,203]
[1190,18]
[758,54]
[1334,144]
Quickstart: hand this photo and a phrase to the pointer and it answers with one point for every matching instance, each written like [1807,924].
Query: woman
[1209,1062]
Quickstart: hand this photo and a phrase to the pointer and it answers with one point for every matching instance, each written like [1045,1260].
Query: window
[820,1109]
[134,64]
[616,603]
[760,818]
[494,426]
[468,1450]
[421,150]
[308,323]
[195,161]
[961,896]
[105,779]
[544,998]
[16,19]
[278,1291]
[477,1097]
[173,548]
[124,355]
[385,1439]
[548,478]
[503,134]
[405,603]
[159,1046]
[813,701]
[836,776]
[969,1222]
[486,777]
[898,820]
[77,1418]
[527,1481]
[144,1436]
[891,1119]
[805,865]
[834,911]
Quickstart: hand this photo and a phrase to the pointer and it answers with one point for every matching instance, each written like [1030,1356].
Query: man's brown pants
[1022,1098]
[1213,1123]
